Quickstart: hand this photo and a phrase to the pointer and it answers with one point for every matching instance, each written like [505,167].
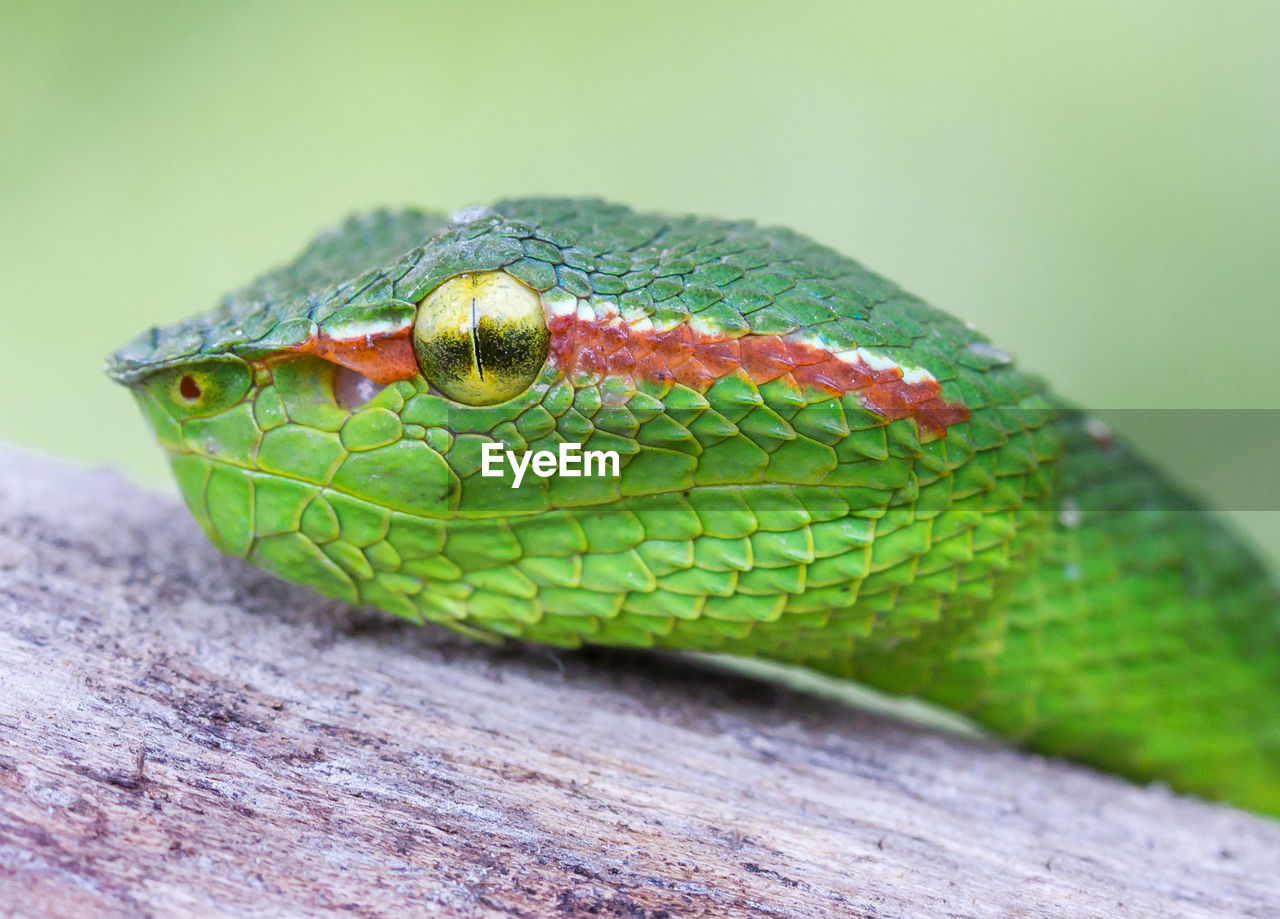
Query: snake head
[338,420]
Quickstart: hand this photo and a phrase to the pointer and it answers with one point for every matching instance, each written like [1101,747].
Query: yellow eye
[481,338]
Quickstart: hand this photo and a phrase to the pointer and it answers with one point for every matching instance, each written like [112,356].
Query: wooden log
[181,734]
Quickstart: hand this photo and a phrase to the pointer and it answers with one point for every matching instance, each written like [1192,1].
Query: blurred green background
[1096,185]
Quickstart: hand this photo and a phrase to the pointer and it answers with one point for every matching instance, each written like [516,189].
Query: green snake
[813,466]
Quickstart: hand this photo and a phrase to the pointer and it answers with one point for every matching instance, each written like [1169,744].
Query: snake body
[815,467]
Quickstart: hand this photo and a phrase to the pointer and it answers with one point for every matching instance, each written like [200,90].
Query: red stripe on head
[384,358]
[681,355]
[678,355]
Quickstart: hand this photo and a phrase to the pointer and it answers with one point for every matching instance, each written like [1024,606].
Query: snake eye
[481,338]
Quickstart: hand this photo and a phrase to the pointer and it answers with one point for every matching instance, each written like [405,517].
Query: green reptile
[814,467]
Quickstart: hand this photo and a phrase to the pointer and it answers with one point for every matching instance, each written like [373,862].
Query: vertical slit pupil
[475,338]
[189,389]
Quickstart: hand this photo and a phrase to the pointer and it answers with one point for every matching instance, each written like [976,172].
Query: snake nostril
[189,388]
[351,390]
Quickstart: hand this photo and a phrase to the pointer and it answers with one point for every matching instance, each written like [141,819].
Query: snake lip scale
[815,467]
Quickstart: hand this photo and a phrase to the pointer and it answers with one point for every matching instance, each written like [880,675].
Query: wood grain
[183,735]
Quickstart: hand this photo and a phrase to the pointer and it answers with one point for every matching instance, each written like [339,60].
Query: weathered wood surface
[182,735]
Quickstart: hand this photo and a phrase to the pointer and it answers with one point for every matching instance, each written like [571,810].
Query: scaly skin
[918,514]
